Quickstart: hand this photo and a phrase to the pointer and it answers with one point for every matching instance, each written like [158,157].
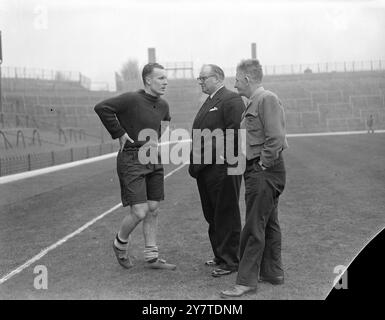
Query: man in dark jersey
[142,185]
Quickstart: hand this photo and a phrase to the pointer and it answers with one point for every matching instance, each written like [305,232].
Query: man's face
[241,84]
[207,80]
[158,82]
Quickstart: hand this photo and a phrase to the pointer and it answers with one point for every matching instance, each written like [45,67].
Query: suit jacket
[264,121]
[222,112]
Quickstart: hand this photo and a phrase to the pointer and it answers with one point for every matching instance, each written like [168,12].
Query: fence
[31,161]
[325,67]
[179,69]
[99,86]
[44,74]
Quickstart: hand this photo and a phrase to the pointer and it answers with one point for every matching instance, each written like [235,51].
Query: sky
[96,37]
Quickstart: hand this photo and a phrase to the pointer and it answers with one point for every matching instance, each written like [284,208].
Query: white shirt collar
[213,94]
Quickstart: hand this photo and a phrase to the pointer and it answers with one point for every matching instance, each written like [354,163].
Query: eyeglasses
[203,79]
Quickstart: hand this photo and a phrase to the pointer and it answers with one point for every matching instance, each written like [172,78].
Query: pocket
[158,167]
[255,138]
[276,187]
[254,129]
[130,156]
[257,167]
[254,180]
[127,160]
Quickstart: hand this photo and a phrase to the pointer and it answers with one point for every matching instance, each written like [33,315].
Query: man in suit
[219,191]
[265,177]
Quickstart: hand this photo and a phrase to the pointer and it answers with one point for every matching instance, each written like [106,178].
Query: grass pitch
[333,204]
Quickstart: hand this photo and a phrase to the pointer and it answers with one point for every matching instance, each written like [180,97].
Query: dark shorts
[139,182]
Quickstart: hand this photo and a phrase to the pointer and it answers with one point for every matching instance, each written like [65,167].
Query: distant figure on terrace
[369,123]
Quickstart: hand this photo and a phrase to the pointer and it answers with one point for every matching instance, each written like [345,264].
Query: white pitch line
[38,172]
[174,141]
[337,133]
[33,173]
[175,170]
[66,238]
[56,244]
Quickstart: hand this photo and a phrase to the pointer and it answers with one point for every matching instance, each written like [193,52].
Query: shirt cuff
[118,134]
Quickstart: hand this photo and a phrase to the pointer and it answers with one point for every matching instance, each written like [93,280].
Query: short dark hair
[251,67]
[217,71]
[149,68]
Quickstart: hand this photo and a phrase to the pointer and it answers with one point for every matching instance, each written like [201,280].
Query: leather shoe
[160,264]
[218,272]
[211,263]
[238,291]
[272,280]
[123,256]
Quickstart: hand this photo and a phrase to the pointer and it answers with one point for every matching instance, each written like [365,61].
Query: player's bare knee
[139,212]
[153,213]
[153,206]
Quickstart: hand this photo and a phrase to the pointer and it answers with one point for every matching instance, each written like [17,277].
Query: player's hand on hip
[123,139]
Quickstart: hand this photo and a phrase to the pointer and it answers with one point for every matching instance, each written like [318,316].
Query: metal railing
[31,161]
[352,66]
[321,67]
[179,69]
[99,86]
[44,74]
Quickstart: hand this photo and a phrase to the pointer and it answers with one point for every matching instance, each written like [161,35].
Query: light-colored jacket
[264,121]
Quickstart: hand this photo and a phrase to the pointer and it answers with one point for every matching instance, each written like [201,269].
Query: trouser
[219,193]
[260,246]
